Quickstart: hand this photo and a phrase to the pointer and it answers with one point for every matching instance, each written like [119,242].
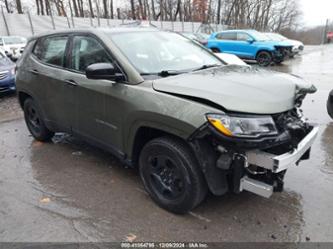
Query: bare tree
[19,6]
[37,7]
[270,15]
[91,9]
[133,10]
[111,9]
[7,6]
[76,11]
[105,6]
[42,7]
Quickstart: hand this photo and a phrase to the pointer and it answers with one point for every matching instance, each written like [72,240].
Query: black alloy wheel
[264,58]
[171,175]
[216,50]
[35,121]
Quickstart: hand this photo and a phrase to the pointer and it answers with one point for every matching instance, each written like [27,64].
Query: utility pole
[325,32]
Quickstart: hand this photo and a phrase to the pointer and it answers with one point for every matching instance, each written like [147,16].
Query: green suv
[168,106]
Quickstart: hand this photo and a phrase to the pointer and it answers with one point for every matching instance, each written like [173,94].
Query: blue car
[7,74]
[249,44]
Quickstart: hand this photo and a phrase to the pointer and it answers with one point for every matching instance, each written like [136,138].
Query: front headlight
[295,48]
[243,126]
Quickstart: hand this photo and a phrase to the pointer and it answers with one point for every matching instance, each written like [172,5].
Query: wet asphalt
[68,191]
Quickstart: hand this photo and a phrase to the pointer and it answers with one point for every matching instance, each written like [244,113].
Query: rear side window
[226,36]
[52,50]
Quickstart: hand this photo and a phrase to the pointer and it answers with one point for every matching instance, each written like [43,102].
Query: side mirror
[250,40]
[103,71]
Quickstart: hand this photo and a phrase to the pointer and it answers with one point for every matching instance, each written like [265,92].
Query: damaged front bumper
[275,164]
[278,163]
[257,165]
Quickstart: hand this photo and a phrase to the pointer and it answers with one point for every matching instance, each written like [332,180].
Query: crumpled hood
[291,42]
[239,88]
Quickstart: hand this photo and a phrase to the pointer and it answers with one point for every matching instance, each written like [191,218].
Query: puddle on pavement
[326,145]
[96,182]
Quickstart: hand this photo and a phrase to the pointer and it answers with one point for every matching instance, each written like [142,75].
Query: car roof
[97,31]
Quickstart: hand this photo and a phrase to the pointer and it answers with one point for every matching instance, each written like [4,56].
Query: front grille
[285,51]
[4,89]
[4,74]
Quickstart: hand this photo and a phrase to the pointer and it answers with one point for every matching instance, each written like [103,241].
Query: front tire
[171,175]
[330,105]
[216,50]
[35,122]
[264,58]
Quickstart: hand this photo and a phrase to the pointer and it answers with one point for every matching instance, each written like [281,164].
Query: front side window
[259,36]
[152,52]
[243,37]
[87,51]
[1,42]
[52,50]
[276,37]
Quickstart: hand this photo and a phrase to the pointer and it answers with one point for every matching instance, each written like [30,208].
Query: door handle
[71,83]
[34,71]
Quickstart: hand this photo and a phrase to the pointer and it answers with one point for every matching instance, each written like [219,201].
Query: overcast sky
[316,11]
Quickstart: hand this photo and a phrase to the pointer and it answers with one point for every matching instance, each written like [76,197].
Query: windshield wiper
[207,66]
[166,73]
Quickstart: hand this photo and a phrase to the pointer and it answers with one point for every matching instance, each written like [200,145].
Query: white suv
[13,45]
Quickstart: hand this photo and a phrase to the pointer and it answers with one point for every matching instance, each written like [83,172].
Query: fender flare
[172,128]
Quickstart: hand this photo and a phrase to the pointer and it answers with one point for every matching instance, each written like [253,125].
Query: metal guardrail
[26,24]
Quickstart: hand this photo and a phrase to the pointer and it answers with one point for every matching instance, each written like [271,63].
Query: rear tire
[171,175]
[264,58]
[216,50]
[35,122]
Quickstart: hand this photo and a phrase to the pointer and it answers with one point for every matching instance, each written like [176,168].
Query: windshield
[259,36]
[13,40]
[152,52]
[276,37]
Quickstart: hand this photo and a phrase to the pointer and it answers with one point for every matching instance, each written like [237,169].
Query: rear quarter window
[51,50]
[226,36]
